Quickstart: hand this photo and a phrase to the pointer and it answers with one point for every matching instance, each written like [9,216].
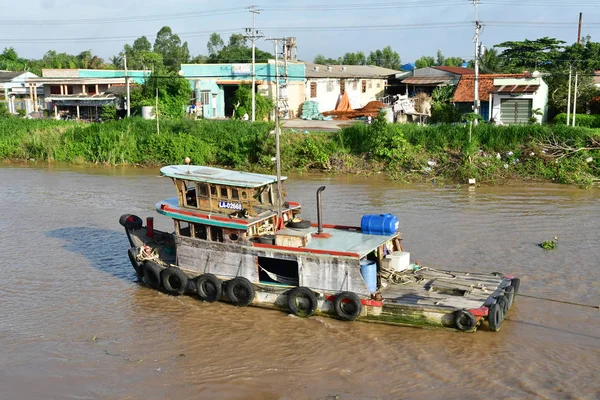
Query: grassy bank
[449,153]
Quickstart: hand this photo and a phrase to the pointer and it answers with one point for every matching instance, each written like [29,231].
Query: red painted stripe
[293,204]
[305,250]
[332,226]
[509,277]
[166,207]
[479,312]
[366,302]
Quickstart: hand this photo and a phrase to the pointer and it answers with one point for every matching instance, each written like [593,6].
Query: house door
[206,103]
[515,111]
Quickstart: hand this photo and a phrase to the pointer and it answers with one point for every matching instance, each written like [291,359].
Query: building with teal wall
[215,84]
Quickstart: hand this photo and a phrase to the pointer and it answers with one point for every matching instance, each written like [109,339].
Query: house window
[370,84]
[355,85]
[205,97]
[91,89]
[54,89]
[364,86]
[342,86]
[330,85]
[313,89]
[378,85]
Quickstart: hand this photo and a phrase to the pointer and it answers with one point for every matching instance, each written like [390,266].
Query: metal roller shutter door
[515,111]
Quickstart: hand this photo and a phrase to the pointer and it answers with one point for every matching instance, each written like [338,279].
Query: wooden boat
[235,240]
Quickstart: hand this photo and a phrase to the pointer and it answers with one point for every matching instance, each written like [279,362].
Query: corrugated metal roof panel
[420,80]
[218,176]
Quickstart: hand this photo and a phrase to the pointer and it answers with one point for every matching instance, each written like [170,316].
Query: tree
[386,58]
[169,47]
[321,59]
[454,62]
[489,62]
[530,54]
[10,60]
[116,61]
[236,51]
[242,101]
[441,60]
[425,62]
[357,58]
[89,61]
[174,93]
[215,44]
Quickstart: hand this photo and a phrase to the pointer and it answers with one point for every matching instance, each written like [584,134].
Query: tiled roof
[465,90]
[456,70]
[426,80]
[347,71]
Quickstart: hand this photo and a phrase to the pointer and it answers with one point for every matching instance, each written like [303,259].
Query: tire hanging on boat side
[509,293]
[240,291]
[515,282]
[152,274]
[302,293]
[209,288]
[464,320]
[137,265]
[347,306]
[503,302]
[495,317]
[174,280]
[130,221]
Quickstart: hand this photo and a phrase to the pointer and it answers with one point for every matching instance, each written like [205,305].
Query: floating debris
[549,244]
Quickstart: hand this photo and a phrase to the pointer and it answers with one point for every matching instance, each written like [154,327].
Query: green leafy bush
[584,120]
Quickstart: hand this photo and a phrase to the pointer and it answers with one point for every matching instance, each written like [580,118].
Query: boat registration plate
[230,205]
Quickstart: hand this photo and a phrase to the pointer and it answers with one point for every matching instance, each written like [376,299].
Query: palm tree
[116,61]
[490,63]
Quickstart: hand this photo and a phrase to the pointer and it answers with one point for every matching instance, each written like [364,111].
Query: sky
[413,28]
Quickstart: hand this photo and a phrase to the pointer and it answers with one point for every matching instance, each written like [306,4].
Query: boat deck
[430,287]
[345,240]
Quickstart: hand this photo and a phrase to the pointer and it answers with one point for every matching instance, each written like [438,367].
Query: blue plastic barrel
[379,224]
[368,270]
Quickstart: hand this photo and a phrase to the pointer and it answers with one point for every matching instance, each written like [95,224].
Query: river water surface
[75,324]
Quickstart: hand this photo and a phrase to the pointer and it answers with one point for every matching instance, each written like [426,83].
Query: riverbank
[410,153]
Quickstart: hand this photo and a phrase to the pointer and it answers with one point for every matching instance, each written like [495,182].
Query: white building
[17,92]
[326,84]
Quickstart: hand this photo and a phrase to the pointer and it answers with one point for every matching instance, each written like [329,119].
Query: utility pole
[569,94]
[253,34]
[476,77]
[277,148]
[579,29]
[575,100]
[128,104]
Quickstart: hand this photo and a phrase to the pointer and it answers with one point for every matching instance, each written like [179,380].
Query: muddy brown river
[75,324]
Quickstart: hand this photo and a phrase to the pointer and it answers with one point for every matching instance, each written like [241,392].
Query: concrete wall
[328,91]
[539,98]
[263,71]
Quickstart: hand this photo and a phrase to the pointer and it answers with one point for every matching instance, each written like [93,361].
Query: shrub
[585,120]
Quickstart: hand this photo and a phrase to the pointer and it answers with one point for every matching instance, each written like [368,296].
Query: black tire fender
[509,293]
[302,292]
[130,221]
[495,317]
[515,282]
[137,265]
[209,288]
[303,224]
[240,291]
[503,302]
[174,280]
[340,305]
[152,274]
[464,320]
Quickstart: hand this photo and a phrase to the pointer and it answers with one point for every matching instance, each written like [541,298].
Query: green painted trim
[211,222]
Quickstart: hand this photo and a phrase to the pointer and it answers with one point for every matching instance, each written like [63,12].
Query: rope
[281,279]
[559,301]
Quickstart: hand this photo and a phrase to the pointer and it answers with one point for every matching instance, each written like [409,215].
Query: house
[597,79]
[505,98]
[424,80]
[325,84]
[214,85]
[81,93]
[17,93]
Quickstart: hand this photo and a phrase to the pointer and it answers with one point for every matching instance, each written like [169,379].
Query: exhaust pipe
[320,210]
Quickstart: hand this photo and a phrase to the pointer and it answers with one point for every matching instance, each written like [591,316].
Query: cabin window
[184,229]
[233,236]
[234,194]
[244,195]
[202,190]
[216,234]
[190,197]
[200,232]
[213,190]
[278,271]
[224,194]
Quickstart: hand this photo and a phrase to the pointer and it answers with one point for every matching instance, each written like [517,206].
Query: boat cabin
[225,206]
